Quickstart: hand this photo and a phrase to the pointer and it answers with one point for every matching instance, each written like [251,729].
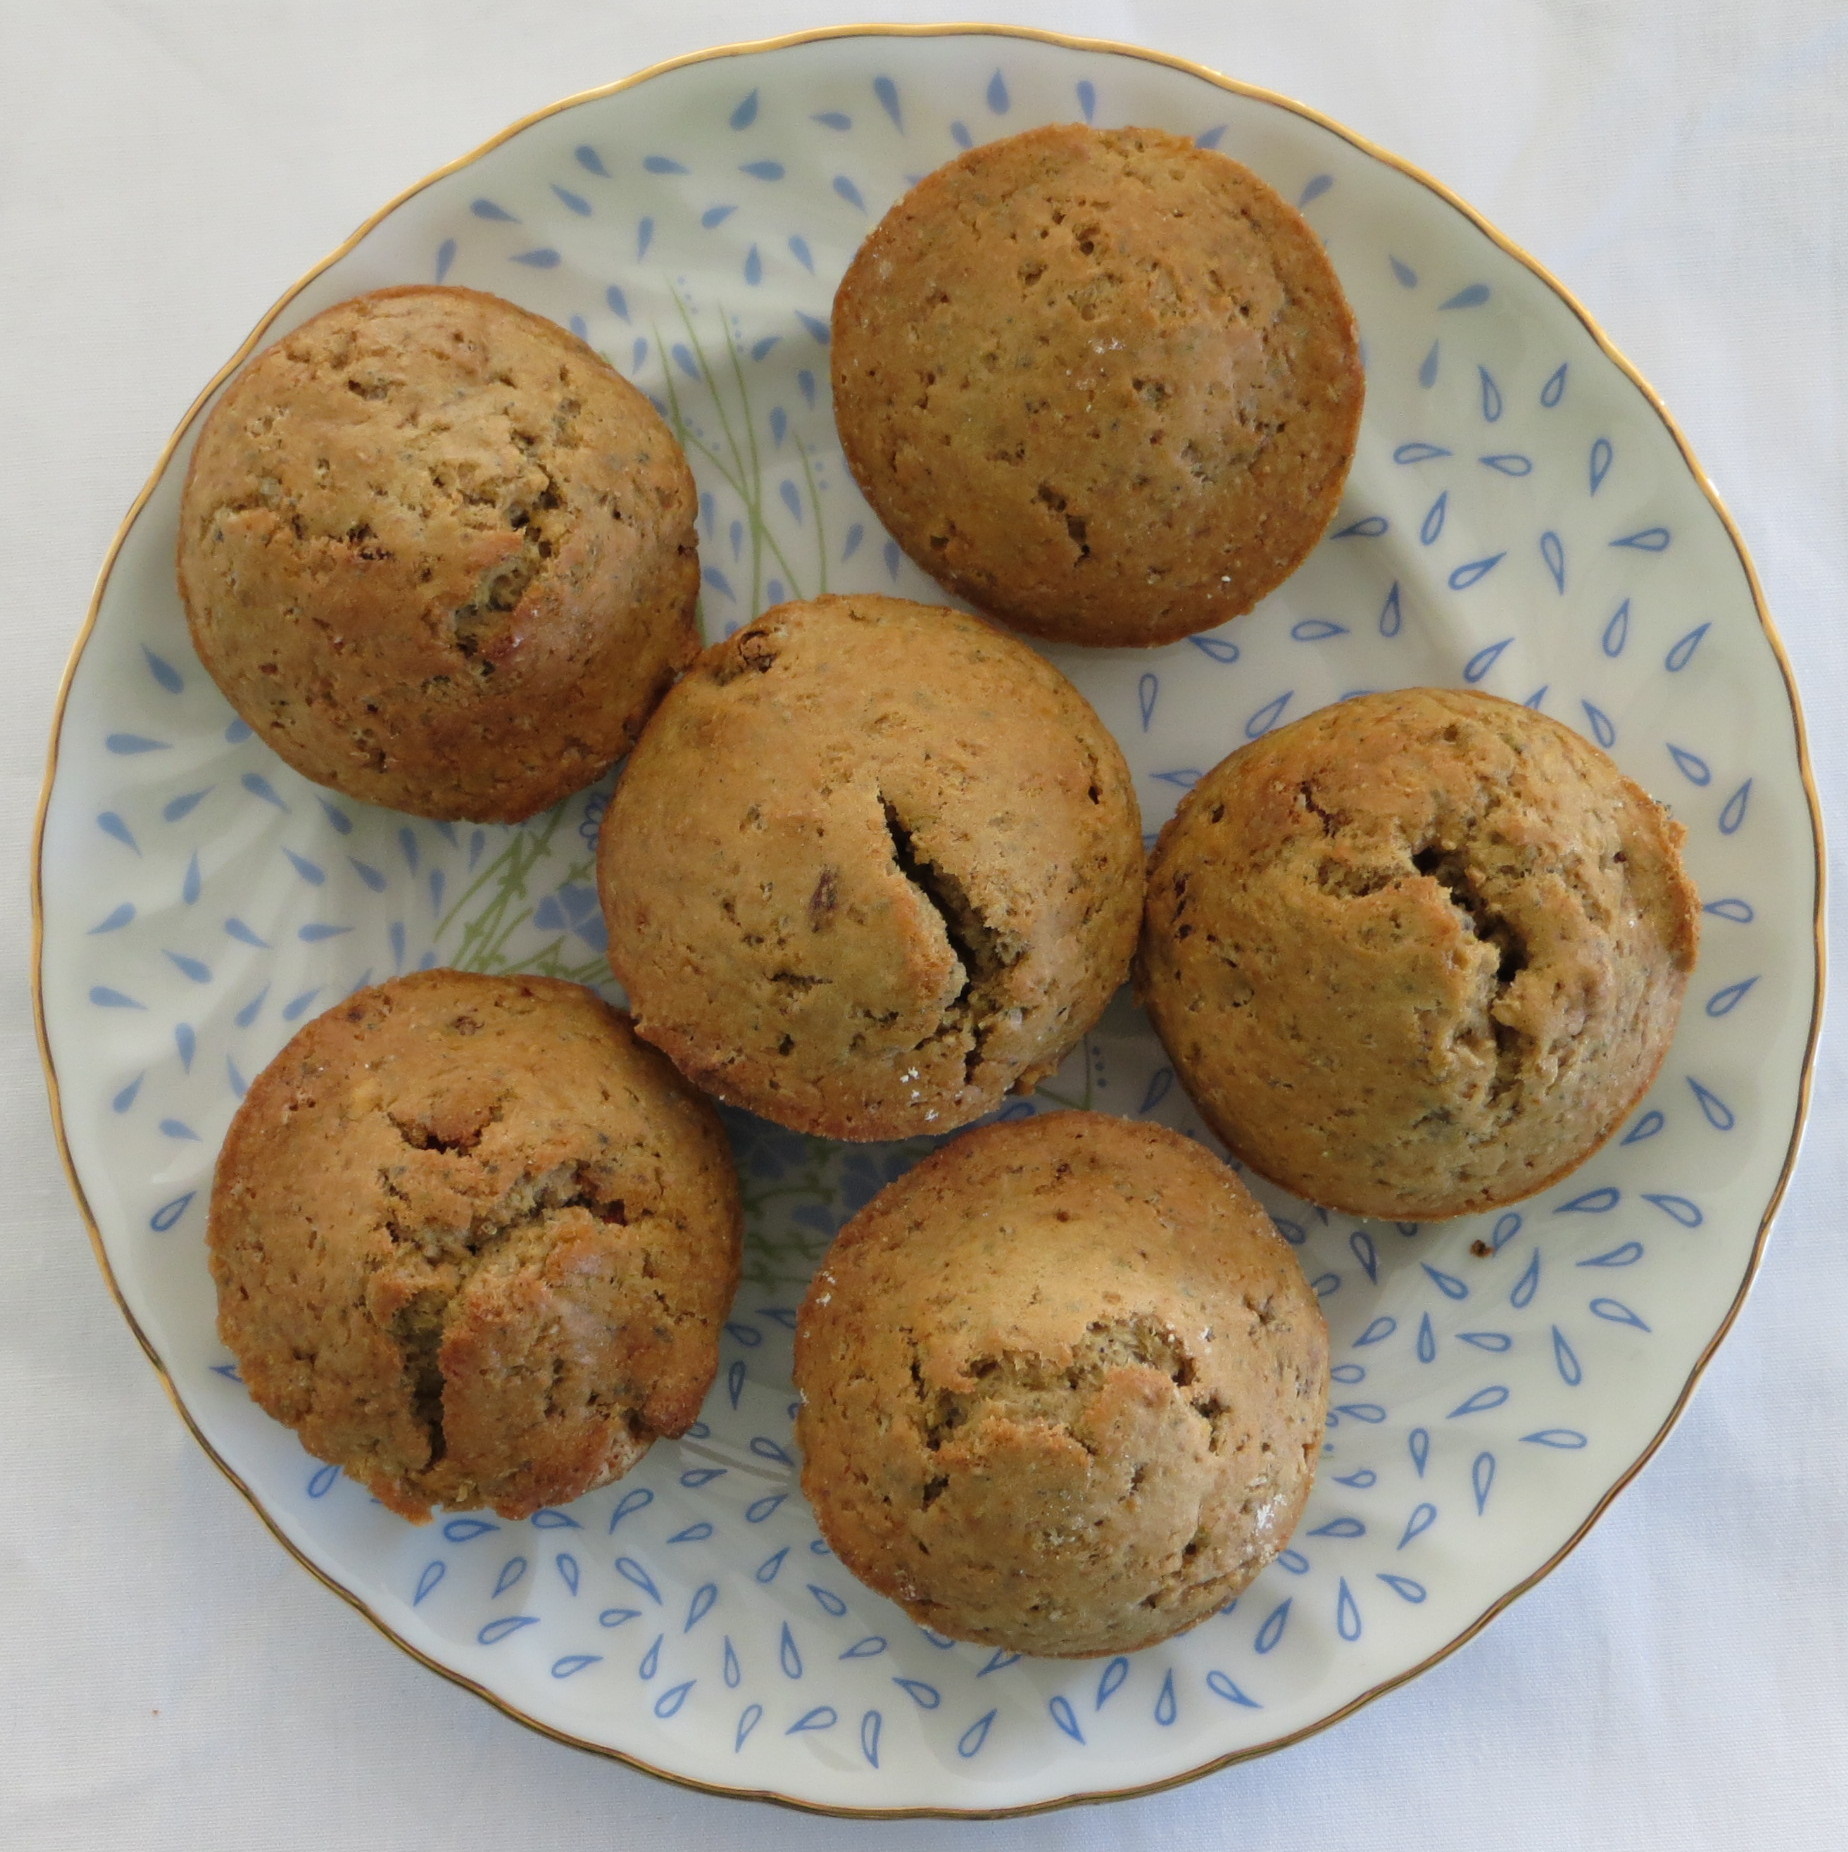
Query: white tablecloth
[172,1678]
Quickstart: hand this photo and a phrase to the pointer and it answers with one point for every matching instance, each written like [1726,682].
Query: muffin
[872,864]
[474,1243]
[1062,1387]
[1418,954]
[439,554]
[1101,383]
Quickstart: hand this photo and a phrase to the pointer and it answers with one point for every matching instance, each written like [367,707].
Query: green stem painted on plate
[738,460]
[485,927]
[821,531]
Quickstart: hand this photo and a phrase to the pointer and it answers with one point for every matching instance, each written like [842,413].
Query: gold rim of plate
[1223,82]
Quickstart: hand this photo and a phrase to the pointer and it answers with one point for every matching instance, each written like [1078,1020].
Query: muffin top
[1101,383]
[474,1242]
[1418,953]
[1062,1387]
[439,554]
[872,864]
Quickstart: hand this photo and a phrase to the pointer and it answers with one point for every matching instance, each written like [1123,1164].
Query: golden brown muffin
[872,864]
[1419,953]
[439,554]
[474,1242]
[1102,383]
[1062,1387]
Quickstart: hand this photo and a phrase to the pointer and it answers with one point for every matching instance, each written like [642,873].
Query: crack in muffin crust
[1062,1387]
[872,864]
[983,954]
[1417,954]
[439,554]
[474,1242]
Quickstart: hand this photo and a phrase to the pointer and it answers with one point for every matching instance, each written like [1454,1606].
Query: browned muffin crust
[1419,953]
[474,1242]
[439,554]
[1063,1387]
[1101,383]
[872,864]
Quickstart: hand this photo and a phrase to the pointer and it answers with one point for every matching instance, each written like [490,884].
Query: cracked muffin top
[474,1242]
[872,864]
[439,554]
[1417,954]
[1101,383]
[1063,1387]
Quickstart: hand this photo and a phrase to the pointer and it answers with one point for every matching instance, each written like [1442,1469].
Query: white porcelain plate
[1521,518]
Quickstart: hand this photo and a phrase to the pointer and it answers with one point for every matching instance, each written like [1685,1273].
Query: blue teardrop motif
[1682,654]
[1734,813]
[1592,1202]
[1625,1256]
[1600,463]
[1484,660]
[1553,551]
[1525,1286]
[1721,1003]
[1617,631]
[1268,715]
[1421,1520]
[630,1501]
[971,1741]
[1570,1369]
[1347,1614]
[1272,1630]
[1481,1478]
[1719,1115]
[631,1571]
[1617,1313]
[1477,569]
